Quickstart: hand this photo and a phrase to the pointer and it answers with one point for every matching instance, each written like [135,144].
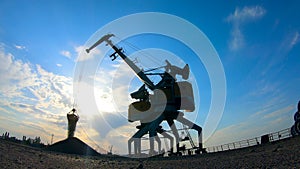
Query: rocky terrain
[280,154]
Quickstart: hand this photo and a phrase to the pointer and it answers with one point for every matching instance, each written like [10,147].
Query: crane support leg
[166,135]
[153,133]
[192,126]
[158,143]
[136,139]
[175,132]
[136,144]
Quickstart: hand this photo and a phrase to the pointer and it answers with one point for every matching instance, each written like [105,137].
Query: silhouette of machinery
[72,121]
[167,103]
[295,130]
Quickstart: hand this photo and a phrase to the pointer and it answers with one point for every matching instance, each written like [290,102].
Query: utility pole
[52,138]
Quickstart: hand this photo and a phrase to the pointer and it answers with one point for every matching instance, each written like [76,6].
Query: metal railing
[271,137]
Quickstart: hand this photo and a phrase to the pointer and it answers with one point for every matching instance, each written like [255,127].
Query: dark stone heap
[72,145]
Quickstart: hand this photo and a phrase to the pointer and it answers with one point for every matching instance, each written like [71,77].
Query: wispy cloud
[278,113]
[20,47]
[31,95]
[108,90]
[238,20]
[279,54]
[246,14]
[83,56]
[294,39]
[263,122]
[14,74]
[66,53]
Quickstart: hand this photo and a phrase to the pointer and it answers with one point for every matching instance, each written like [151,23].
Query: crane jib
[104,38]
[118,51]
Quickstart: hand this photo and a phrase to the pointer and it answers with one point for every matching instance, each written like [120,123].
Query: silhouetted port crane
[295,130]
[168,101]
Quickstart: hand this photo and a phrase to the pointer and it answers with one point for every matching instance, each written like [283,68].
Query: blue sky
[257,42]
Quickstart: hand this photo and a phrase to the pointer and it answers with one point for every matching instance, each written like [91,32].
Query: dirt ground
[281,154]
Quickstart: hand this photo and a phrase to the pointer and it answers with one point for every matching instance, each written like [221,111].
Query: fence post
[234,145]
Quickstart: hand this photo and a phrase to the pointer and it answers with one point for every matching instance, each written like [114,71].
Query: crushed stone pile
[72,145]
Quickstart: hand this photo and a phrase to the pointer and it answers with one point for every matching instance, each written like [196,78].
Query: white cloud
[103,99]
[279,112]
[66,53]
[269,118]
[14,74]
[246,14]
[59,65]
[119,138]
[237,40]
[31,95]
[20,47]
[280,53]
[263,87]
[81,53]
[238,19]
[295,39]
[83,56]
[40,99]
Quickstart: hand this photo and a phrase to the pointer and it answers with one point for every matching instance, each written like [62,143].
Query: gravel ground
[281,154]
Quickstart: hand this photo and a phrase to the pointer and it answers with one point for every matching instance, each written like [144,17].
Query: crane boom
[104,38]
[118,51]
